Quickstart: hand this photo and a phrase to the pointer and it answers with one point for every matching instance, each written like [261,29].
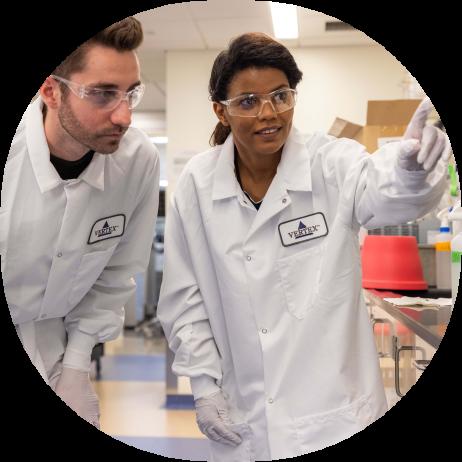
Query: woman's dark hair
[254,49]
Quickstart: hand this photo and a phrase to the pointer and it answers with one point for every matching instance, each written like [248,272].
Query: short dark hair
[124,35]
[253,49]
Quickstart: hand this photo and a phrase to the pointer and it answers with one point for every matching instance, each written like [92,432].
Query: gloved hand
[423,145]
[213,419]
[74,388]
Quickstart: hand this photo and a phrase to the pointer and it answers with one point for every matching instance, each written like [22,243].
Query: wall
[189,114]
[337,82]
[153,124]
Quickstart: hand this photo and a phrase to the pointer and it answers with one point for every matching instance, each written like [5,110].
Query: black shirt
[238,176]
[70,169]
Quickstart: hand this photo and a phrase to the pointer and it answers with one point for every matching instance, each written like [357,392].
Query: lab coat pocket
[300,275]
[91,266]
[319,431]
[244,452]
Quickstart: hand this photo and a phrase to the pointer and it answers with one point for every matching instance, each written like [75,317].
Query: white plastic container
[456,248]
[431,236]
[443,253]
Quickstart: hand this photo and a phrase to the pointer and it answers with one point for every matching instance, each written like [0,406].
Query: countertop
[429,322]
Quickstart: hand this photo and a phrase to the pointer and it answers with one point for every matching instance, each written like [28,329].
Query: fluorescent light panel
[285,24]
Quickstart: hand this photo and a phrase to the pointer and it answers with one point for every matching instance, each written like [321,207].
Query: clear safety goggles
[252,104]
[106,99]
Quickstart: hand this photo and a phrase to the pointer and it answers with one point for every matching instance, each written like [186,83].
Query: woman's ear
[221,114]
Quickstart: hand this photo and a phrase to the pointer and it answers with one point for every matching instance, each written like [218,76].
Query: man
[79,201]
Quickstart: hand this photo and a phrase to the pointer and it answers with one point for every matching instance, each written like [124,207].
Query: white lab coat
[70,248]
[283,329]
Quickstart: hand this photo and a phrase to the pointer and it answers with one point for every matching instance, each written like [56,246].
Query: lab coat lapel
[293,174]
[224,182]
[276,199]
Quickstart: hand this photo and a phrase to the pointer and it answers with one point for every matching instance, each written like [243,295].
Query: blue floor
[178,448]
[144,368]
[151,368]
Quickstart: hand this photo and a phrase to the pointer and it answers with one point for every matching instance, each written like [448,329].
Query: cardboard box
[387,121]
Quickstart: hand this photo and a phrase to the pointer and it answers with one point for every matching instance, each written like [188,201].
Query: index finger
[419,119]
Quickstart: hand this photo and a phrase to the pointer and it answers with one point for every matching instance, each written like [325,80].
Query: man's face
[94,127]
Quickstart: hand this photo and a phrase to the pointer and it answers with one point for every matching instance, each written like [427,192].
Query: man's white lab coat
[70,248]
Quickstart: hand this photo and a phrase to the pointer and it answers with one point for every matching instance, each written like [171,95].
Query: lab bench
[406,337]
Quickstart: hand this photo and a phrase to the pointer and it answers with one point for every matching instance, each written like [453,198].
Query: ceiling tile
[337,39]
[309,26]
[166,13]
[228,9]
[218,32]
[171,35]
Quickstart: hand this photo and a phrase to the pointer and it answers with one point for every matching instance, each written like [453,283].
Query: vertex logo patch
[107,228]
[303,229]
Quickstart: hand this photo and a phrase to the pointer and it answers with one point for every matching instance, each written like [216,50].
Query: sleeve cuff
[203,385]
[411,179]
[78,351]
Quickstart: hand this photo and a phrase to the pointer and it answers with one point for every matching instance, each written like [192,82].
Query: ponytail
[220,134]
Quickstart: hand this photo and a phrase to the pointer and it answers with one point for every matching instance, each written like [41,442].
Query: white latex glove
[75,389]
[423,145]
[213,419]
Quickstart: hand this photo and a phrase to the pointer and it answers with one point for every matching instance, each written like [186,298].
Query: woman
[261,299]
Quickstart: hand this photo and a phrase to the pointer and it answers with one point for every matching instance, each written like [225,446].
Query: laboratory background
[352,87]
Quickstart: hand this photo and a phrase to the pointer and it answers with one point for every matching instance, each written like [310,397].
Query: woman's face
[248,134]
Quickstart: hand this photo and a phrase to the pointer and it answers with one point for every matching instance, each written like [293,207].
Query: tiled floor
[132,400]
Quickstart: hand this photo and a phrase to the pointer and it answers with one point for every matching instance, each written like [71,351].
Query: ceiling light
[285,24]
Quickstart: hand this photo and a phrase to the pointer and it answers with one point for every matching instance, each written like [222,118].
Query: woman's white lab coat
[268,305]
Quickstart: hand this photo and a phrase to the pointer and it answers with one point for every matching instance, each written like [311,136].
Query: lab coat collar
[225,183]
[293,172]
[94,173]
[37,147]
[39,153]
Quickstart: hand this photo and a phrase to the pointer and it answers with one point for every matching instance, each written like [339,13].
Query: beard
[99,142]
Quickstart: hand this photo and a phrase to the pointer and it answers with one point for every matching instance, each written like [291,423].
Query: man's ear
[50,93]
[219,110]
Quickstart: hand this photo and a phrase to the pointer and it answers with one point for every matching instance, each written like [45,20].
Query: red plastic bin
[392,262]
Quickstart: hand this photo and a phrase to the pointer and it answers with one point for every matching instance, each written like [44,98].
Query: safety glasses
[251,105]
[106,99]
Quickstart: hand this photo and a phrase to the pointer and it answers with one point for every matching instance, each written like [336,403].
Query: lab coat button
[249,258]
[270,400]
[284,200]
[59,255]
[264,331]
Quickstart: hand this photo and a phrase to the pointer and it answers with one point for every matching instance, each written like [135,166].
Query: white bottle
[443,253]
[456,248]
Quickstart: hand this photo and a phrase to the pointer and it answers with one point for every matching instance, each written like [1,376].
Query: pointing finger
[417,123]
[429,137]
[435,153]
